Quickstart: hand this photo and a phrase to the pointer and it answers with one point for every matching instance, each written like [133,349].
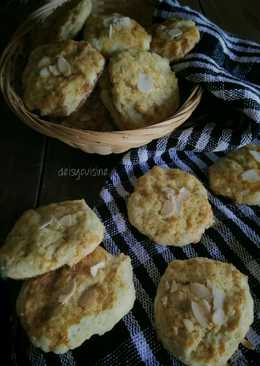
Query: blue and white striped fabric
[229,116]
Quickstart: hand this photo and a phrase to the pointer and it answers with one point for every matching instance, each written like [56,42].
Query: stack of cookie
[138,86]
[73,288]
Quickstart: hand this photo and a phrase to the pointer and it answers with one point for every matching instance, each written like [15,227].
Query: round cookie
[64,23]
[114,33]
[60,76]
[139,89]
[237,175]
[49,237]
[62,309]
[170,206]
[174,38]
[203,310]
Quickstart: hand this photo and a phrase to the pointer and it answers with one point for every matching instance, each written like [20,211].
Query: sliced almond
[44,73]
[218,297]
[54,70]
[200,313]
[164,301]
[251,175]
[46,223]
[255,154]
[174,286]
[145,83]
[167,285]
[169,192]
[64,66]
[45,61]
[175,330]
[94,269]
[170,208]
[218,317]
[67,220]
[174,33]
[67,292]
[183,194]
[188,325]
[200,290]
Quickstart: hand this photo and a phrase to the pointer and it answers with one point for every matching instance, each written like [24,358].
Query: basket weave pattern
[89,141]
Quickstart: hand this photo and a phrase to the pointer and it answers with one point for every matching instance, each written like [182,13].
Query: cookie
[60,76]
[170,206]
[62,309]
[203,310]
[92,116]
[139,89]
[49,237]
[64,23]
[115,33]
[174,38]
[237,175]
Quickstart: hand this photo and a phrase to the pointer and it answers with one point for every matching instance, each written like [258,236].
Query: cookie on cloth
[170,206]
[237,175]
[64,23]
[114,33]
[203,310]
[60,76]
[49,237]
[139,89]
[174,38]
[63,308]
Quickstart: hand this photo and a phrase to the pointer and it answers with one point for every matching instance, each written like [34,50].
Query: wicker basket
[89,141]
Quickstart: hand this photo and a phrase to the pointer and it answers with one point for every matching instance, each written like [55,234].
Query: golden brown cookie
[237,175]
[170,206]
[49,237]
[62,309]
[60,76]
[174,38]
[139,89]
[203,310]
[114,33]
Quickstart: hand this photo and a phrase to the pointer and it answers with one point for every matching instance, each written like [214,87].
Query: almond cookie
[48,237]
[237,175]
[203,310]
[139,89]
[174,38]
[62,309]
[60,76]
[170,206]
[114,33]
[64,23]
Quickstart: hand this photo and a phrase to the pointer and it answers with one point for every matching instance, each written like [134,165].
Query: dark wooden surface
[32,165]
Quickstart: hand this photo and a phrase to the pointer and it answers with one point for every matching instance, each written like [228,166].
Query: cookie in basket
[92,116]
[59,77]
[203,310]
[139,89]
[63,308]
[114,33]
[170,206]
[174,38]
[64,22]
[237,175]
[49,237]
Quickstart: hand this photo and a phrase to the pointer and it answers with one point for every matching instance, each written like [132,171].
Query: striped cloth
[228,68]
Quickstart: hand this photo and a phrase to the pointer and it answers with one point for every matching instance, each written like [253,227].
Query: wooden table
[32,164]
